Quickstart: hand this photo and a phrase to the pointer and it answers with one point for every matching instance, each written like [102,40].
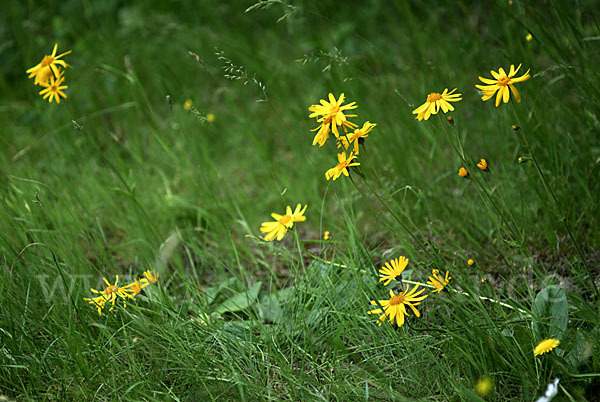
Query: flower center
[110,290]
[434,97]
[47,60]
[503,81]
[285,219]
[54,88]
[398,299]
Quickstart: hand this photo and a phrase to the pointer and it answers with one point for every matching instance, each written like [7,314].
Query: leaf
[576,355]
[211,293]
[240,301]
[550,312]
[270,305]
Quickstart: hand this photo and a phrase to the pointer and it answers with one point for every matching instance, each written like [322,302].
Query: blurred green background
[104,179]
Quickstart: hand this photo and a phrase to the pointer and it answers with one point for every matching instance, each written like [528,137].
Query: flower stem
[467,294]
[549,191]
[435,256]
[488,200]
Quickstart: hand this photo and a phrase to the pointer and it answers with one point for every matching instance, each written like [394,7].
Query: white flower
[551,391]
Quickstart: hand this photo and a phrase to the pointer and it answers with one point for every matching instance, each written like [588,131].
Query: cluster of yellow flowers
[501,86]
[395,306]
[330,116]
[49,74]
[112,292]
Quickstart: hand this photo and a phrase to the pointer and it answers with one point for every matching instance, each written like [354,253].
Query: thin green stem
[488,199]
[400,221]
[470,295]
[563,219]
[406,217]
[300,248]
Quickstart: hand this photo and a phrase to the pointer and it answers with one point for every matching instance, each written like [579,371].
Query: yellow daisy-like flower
[278,229]
[395,307]
[470,262]
[501,83]
[210,117]
[109,295]
[435,102]
[326,235]
[545,346]
[437,281]
[151,276]
[357,137]
[482,164]
[462,172]
[393,269]
[331,115]
[529,37]
[44,76]
[187,105]
[342,166]
[99,302]
[54,89]
[49,62]
[136,286]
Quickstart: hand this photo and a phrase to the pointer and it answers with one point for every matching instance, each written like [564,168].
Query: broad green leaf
[211,293]
[240,301]
[270,305]
[550,312]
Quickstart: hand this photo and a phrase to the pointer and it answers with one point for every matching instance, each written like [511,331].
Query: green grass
[119,178]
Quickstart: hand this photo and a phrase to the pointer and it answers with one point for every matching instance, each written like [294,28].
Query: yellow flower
[44,76]
[529,37]
[210,117]
[136,286]
[278,229]
[394,270]
[151,276]
[357,137]
[484,280]
[484,386]
[108,295]
[99,302]
[342,166]
[462,172]
[501,83]
[438,281]
[187,105]
[395,307]
[49,62]
[54,89]
[331,115]
[545,346]
[482,164]
[435,102]
[470,262]
[326,236]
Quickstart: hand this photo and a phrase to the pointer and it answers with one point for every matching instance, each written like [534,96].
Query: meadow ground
[186,124]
